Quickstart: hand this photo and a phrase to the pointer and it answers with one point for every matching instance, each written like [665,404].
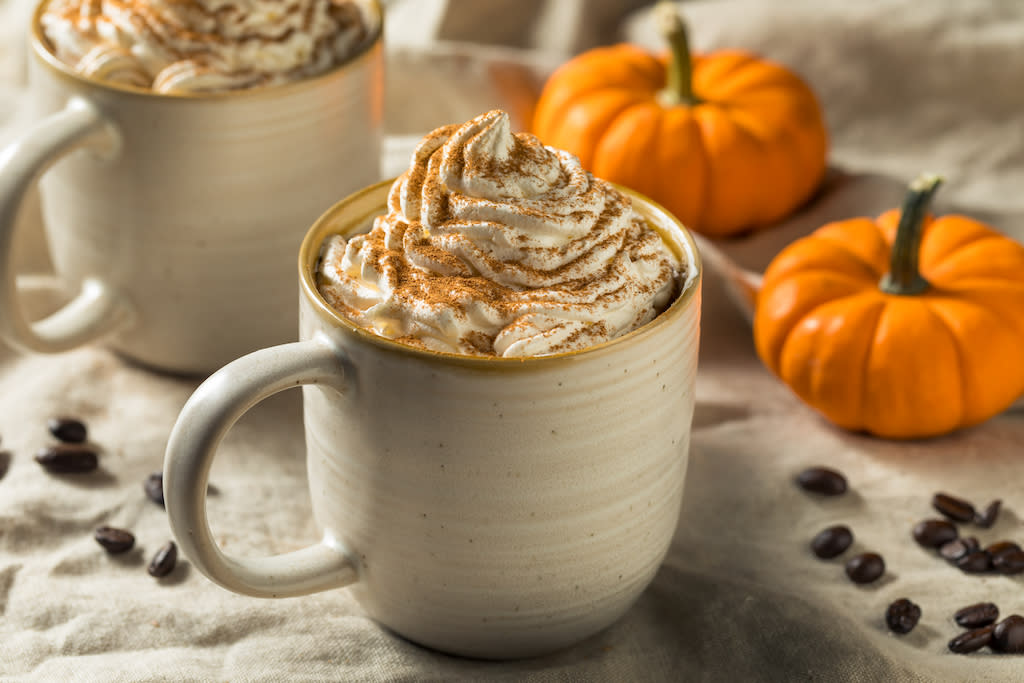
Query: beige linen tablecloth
[907,87]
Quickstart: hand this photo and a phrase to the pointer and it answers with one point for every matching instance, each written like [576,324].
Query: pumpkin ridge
[810,312]
[868,412]
[713,121]
[964,284]
[874,305]
[567,132]
[650,152]
[947,234]
[641,71]
[776,204]
[842,246]
[680,125]
[609,124]
[1011,375]
[635,59]
[757,90]
[961,362]
[715,73]
[805,256]
[1014,325]
[938,265]
[763,141]
[871,331]
[705,195]
[580,73]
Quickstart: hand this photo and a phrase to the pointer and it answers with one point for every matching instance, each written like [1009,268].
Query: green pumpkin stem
[904,278]
[679,77]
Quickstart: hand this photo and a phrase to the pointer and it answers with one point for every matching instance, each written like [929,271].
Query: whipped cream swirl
[198,46]
[494,244]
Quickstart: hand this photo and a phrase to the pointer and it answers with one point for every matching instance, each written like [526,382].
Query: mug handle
[97,309]
[206,417]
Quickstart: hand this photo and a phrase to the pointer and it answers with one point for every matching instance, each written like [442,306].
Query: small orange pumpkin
[905,326]
[727,142]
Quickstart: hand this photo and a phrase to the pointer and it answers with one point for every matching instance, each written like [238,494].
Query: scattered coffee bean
[1008,635]
[832,541]
[5,463]
[67,458]
[955,549]
[977,562]
[823,480]
[971,543]
[957,509]
[865,568]
[971,641]
[114,540]
[154,487]
[902,616]
[987,518]
[67,429]
[164,560]
[1011,562]
[980,614]
[934,533]
[1000,547]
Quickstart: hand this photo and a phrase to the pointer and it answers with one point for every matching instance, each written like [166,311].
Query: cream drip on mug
[494,244]
[196,46]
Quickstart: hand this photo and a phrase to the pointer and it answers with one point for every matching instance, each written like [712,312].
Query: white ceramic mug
[175,218]
[487,507]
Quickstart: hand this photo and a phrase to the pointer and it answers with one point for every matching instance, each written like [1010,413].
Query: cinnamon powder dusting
[536,254]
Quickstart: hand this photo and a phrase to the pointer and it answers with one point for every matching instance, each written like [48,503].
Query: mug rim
[41,49]
[324,226]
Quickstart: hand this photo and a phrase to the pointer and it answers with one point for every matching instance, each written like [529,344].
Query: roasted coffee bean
[164,560]
[67,429]
[67,458]
[1000,547]
[971,641]
[987,518]
[955,549]
[902,616]
[977,562]
[5,463]
[832,541]
[823,480]
[154,487]
[865,568]
[1011,562]
[934,533]
[1008,635]
[957,509]
[980,614]
[971,542]
[114,540]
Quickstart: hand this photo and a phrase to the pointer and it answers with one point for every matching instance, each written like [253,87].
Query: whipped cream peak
[190,46]
[494,244]
[484,159]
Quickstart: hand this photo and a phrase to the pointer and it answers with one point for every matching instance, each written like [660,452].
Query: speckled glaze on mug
[176,218]
[487,507]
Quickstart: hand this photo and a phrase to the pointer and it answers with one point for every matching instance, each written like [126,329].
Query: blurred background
[904,84]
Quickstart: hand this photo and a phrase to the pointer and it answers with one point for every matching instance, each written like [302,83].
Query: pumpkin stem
[679,77]
[904,278]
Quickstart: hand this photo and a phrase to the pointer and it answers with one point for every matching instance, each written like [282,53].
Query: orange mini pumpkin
[726,141]
[905,326]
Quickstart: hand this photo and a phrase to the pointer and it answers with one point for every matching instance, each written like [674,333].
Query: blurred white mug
[173,220]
